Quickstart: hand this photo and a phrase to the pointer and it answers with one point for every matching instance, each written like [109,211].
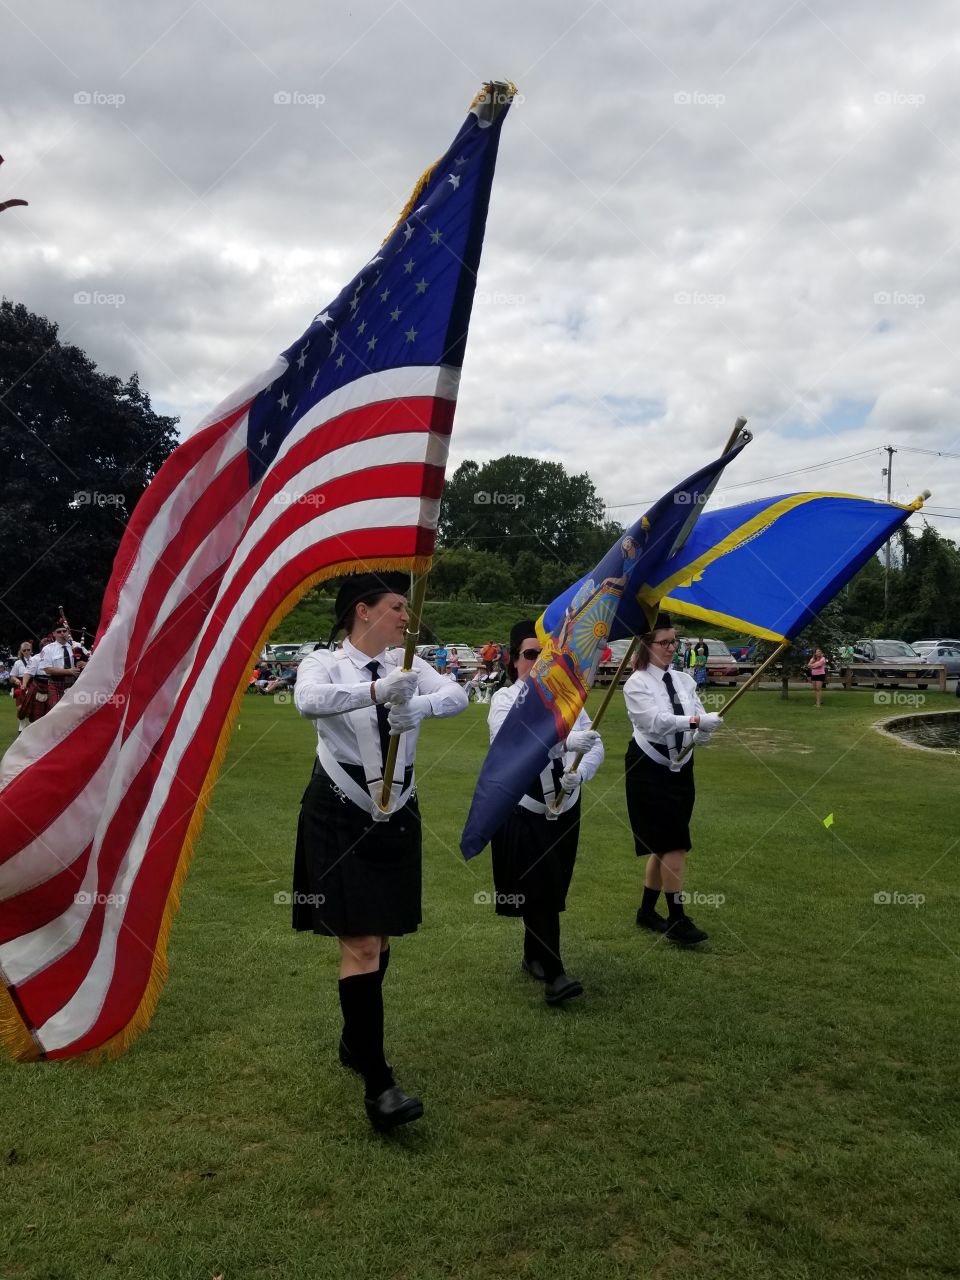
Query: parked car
[281,652]
[943,653]
[306,648]
[721,664]
[923,647]
[888,652]
[607,670]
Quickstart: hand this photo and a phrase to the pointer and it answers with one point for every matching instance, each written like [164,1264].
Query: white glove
[570,781]
[398,686]
[582,740]
[405,716]
[710,722]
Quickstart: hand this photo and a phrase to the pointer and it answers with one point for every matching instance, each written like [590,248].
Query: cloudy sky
[701,210]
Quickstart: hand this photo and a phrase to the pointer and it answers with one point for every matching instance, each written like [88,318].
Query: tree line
[78,447]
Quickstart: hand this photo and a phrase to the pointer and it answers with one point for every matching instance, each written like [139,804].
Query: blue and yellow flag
[574,630]
[768,567]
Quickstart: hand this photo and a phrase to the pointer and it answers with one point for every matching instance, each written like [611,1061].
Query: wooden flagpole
[411,635]
[734,436]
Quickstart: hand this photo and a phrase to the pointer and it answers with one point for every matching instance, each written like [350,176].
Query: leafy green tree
[513,503]
[77,449]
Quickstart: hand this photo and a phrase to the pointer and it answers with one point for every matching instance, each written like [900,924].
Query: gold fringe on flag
[14,1034]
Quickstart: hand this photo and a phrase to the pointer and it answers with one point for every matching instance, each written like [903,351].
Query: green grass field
[781,1103]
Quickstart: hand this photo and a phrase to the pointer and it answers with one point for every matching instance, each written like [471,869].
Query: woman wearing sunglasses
[667,715]
[534,851]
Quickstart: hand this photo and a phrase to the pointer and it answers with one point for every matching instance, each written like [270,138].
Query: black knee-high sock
[384,962]
[361,1000]
[544,926]
[674,906]
[650,897]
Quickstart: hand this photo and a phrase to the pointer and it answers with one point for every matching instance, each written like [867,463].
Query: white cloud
[698,212]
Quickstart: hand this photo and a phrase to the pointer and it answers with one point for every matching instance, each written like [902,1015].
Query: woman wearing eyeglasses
[534,851]
[667,715]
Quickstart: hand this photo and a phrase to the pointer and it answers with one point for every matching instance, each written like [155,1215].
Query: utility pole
[888,472]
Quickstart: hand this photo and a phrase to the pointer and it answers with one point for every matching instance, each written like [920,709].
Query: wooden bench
[877,675]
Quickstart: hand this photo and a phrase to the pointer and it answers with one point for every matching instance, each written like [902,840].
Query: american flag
[331,461]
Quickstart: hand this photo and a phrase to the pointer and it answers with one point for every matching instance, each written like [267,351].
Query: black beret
[364,588]
[525,630]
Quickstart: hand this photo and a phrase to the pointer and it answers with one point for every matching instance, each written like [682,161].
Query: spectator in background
[440,659]
[699,662]
[20,677]
[817,666]
[490,653]
[453,662]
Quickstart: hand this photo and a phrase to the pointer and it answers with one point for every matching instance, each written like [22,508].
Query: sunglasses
[531,655]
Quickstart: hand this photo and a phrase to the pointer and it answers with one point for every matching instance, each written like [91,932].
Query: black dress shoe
[562,988]
[392,1108]
[348,1060]
[534,968]
[684,932]
[650,920]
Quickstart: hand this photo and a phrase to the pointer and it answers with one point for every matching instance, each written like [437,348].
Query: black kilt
[659,803]
[353,877]
[533,861]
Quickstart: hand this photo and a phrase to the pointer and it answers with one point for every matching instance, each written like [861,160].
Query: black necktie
[676,704]
[67,657]
[383,724]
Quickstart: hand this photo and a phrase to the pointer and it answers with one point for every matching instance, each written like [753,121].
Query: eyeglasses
[667,644]
[531,655]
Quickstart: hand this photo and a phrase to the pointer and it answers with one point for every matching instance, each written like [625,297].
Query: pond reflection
[939,729]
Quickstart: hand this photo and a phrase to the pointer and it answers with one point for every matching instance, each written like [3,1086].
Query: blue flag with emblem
[574,630]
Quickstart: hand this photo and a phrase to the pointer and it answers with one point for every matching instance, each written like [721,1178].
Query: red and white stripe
[97,797]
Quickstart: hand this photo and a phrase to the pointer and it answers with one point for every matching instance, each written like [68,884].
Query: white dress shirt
[333,687]
[655,723]
[500,705]
[21,669]
[51,655]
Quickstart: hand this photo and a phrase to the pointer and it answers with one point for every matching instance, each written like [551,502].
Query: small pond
[937,729]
